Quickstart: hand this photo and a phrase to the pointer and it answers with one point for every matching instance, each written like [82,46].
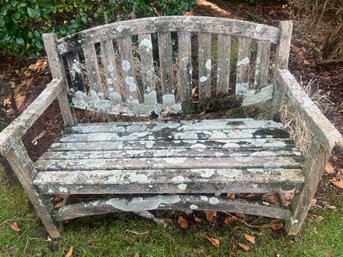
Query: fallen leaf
[270,198]
[197,219]
[15,227]
[313,202]
[277,226]
[42,134]
[58,205]
[338,182]
[231,195]
[214,241]
[234,248]
[329,169]
[319,218]
[70,252]
[136,254]
[182,222]
[210,215]
[306,62]
[230,219]
[250,238]
[244,247]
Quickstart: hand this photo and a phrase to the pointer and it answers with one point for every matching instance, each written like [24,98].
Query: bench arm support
[314,119]
[21,124]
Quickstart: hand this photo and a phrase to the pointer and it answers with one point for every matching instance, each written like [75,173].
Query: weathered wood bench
[149,66]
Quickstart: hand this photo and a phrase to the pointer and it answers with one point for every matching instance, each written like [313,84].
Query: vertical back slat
[185,65]
[127,65]
[243,64]
[223,63]
[205,65]
[75,70]
[110,67]
[147,62]
[166,62]
[92,68]
[262,64]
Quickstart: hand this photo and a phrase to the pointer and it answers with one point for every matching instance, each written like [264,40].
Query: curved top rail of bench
[166,24]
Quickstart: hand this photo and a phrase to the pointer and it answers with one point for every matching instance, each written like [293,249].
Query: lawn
[126,234]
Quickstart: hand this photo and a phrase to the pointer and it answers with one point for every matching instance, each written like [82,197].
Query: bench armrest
[314,119]
[17,128]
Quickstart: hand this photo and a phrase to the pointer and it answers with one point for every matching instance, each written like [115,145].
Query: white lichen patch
[231,145]
[259,28]
[189,135]
[213,200]
[178,179]
[146,43]
[158,166]
[208,64]
[125,64]
[63,190]
[204,198]
[229,173]
[263,154]
[203,79]
[198,146]
[120,28]
[182,186]
[207,173]
[139,178]
[193,207]
[175,160]
[244,61]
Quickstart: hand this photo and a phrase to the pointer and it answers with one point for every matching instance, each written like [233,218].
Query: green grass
[125,234]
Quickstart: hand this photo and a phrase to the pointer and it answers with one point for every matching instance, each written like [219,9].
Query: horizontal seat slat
[170,163]
[167,202]
[173,181]
[151,153]
[183,125]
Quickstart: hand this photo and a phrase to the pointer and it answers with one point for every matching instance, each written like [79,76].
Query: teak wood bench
[150,66]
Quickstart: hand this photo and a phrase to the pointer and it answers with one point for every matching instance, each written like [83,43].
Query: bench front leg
[23,167]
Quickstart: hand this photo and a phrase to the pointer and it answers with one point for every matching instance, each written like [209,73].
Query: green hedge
[23,22]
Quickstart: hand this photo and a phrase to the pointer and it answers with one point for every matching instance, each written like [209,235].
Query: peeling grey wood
[92,67]
[181,202]
[57,71]
[131,90]
[147,62]
[171,163]
[110,66]
[319,125]
[183,125]
[258,96]
[154,153]
[24,170]
[223,63]
[314,166]
[75,70]
[185,65]
[205,64]
[243,66]
[22,123]
[262,64]
[281,62]
[254,180]
[166,63]
[167,24]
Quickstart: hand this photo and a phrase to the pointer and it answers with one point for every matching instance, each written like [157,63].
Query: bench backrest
[141,66]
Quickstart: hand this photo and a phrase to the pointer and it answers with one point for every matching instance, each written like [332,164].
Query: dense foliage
[23,22]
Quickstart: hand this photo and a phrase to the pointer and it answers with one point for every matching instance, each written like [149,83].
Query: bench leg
[314,166]
[23,168]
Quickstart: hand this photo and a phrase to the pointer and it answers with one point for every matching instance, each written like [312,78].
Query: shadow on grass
[124,234]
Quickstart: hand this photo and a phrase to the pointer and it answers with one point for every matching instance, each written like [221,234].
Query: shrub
[22,22]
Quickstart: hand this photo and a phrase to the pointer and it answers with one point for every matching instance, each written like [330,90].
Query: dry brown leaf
[230,219]
[214,241]
[15,227]
[197,219]
[182,222]
[306,62]
[319,218]
[270,198]
[338,182]
[313,202]
[58,205]
[231,195]
[234,248]
[277,226]
[210,215]
[250,238]
[329,169]
[244,246]
[136,254]
[70,252]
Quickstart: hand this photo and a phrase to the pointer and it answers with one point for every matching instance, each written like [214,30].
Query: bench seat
[173,157]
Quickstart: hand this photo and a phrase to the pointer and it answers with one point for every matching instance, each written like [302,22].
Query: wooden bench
[172,65]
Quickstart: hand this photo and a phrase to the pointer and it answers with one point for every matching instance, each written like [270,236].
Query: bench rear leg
[23,168]
[314,166]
